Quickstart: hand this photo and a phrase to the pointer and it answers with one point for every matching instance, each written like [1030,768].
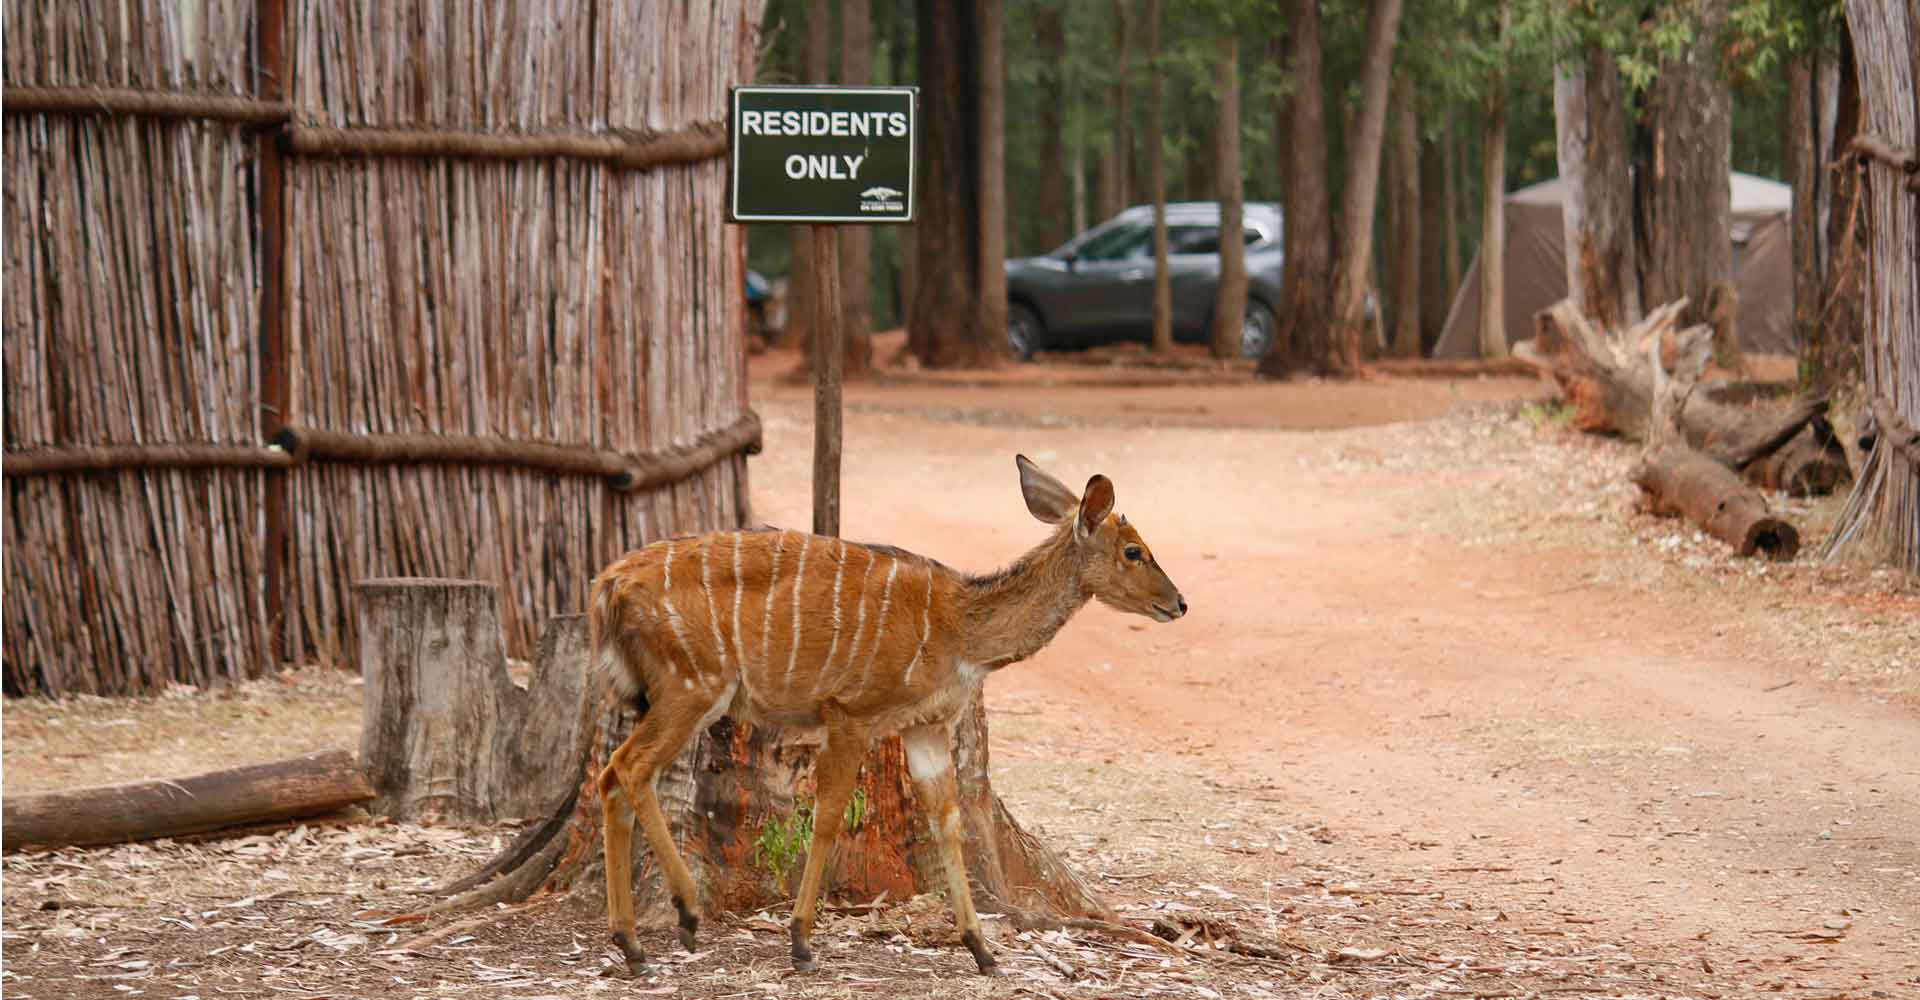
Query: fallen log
[1611,387]
[313,785]
[1813,463]
[1679,480]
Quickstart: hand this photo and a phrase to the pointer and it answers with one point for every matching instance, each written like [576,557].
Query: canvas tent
[1537,268]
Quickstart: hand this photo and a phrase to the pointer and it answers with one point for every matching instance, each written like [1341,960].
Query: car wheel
[1025,333]
[1257,330]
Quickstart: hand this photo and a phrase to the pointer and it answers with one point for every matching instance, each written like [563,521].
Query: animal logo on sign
[880,199]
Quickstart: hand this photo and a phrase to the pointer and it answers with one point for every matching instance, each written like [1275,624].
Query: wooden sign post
[829,357]
[830,156]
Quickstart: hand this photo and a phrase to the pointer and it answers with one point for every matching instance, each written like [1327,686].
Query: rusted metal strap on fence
[120,101]
[635,150]
[1867,146]
[112,458]
[1893,429]
[300,445]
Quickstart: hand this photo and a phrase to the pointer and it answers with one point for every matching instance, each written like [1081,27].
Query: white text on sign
[823,168]
[844,123]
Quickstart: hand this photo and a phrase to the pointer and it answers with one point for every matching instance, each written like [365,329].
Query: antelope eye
[1133,553]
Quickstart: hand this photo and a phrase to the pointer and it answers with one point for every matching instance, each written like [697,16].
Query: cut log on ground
[1812,464]
[1610,384]
[313,785]
[444,732]
[1680,480]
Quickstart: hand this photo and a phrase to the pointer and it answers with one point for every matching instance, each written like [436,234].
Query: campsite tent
[1537,268]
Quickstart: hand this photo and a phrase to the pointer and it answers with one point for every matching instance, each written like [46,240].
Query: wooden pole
[276,396]
[829,356]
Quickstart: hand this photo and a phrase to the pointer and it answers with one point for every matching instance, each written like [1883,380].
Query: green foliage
[1554,413]
[783,842]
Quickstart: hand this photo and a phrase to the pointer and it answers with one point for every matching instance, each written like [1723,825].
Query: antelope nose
[1180,606]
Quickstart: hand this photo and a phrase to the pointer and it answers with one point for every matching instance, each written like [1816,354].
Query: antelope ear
[1094,506]
[1047,498]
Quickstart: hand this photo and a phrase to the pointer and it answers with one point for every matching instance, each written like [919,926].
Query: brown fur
[804,631]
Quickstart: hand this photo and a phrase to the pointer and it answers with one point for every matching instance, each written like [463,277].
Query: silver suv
[1099,286]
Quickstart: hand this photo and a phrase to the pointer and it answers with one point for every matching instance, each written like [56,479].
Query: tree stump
[445,733]
[1611,385]
[448,735]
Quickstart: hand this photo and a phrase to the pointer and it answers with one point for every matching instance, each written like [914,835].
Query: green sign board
[823,154]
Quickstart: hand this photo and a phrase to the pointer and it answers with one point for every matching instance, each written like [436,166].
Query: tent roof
[1754,198]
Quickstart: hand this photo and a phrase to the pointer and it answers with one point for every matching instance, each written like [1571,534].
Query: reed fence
[476,340]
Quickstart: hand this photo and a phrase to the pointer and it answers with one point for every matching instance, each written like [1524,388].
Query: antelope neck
[1014,613]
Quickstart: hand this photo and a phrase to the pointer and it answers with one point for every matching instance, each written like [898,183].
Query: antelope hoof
[689,923]
[802,954]
[637,965]
[981,956]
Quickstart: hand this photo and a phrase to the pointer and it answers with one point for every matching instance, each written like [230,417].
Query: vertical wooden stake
[270,84]
[829,355]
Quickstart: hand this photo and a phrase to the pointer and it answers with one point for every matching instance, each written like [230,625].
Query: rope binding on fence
[295,446]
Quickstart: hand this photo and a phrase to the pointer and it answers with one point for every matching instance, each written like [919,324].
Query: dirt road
[1388,642]
[1448,718]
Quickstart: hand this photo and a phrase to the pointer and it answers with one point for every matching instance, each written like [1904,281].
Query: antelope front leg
[930,761]
[834,772]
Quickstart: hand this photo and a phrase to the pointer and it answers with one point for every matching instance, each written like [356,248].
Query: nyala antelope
[864,641]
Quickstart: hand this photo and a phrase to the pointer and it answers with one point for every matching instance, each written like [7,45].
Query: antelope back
[791,618]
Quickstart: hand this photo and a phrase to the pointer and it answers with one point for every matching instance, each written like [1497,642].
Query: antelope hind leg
[617,823]
[930,761]
[657,738]
[834,771]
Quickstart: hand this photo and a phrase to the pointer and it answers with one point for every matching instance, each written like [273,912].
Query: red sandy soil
[1444,699]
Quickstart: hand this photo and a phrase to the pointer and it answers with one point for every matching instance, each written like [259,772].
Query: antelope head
[1112,561]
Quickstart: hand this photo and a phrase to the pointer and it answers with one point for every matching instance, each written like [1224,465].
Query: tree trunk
[1050,196]
[944,330]
[1805,175]
[1157,178]
[1197,173]
[1450,202]
[1591,126]
[1113,174]
[1881,522]
[1349,321]
[1078,172]
[1307,262]
[1679,480]
[737,801]
[856,242]
[1493,229]
[1682,184]
[800,281]
[1436,296]
[1831,356]
[313,785]
[1230,296]
[991,169]
[1407,254]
